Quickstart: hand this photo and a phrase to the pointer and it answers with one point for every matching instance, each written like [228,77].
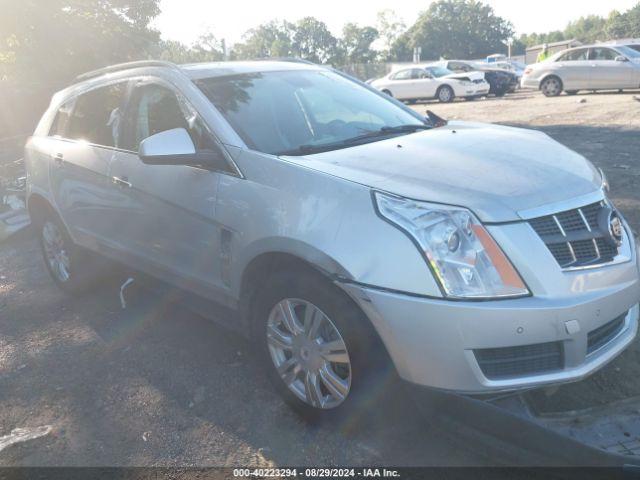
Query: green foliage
[273,39]
[206,49]
[390,27]
[455,29]
[590,29]
[355,44]
[54,40]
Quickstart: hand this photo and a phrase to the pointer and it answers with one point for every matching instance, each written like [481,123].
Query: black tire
[387,92]
[501,92]
[85,269]
[371,376]
[445,94]
[571,92]
[551,86]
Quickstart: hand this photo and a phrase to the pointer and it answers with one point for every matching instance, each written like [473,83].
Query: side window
[403,75]
[602,54]
[574,55]
[61,121]
[96,116]
[418,73]
[155,109]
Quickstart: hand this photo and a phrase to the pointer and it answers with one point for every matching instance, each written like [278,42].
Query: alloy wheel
[55,251]
[445,95]
[551,87]
[309,353]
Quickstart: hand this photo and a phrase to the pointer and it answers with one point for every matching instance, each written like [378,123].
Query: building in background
[532,52]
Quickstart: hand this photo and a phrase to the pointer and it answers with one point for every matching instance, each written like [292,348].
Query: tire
[445,94]
[387,92]
[72,268]
[551,86]
[307,380]
[571,92]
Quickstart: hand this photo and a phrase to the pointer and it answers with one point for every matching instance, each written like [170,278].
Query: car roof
[219,69]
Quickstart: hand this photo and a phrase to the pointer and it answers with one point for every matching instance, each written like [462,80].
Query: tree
[455,29]
[86,34]
[355,44]
[272,39]
[586,29]
[206,49]
[625,25]
[390,27]
[313,41]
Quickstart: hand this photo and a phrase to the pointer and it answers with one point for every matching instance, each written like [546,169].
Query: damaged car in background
[431,82]
[350,238]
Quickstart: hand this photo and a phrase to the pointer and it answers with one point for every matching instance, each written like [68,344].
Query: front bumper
[529,82]
[432,341]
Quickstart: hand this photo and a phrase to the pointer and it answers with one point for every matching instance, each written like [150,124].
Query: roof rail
[287,59]
[124,66]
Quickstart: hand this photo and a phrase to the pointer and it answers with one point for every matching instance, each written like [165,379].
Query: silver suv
[351,238]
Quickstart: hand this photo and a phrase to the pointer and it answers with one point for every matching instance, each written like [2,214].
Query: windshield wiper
[382,132]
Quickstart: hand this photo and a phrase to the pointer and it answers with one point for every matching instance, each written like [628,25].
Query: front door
[606,72]
[167,215]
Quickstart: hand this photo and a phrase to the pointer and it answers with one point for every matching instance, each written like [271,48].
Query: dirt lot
[157,385]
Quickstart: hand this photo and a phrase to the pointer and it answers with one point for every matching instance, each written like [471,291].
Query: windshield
[439,71]
[282,112]
[629,52]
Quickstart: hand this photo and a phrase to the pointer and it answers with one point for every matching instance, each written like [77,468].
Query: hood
[469,76]
[494,171]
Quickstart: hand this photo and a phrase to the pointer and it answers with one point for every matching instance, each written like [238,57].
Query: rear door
[574,68]
[166,218]
[606,72]
[86,135]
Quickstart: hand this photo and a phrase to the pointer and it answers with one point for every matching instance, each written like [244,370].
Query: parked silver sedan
[597,67]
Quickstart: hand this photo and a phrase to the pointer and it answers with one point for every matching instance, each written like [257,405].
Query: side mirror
[621,58]
[175,147]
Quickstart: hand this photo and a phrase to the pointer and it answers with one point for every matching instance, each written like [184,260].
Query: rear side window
[574,55]
[403,75]
[61,121]
[96,116]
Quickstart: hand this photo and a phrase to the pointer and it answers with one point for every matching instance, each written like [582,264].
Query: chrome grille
[574,237]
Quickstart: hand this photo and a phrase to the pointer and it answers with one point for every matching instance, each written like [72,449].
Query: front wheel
[551,87]
[320,351]
[445,94]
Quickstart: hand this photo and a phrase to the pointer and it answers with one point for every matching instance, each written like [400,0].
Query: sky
[185,20]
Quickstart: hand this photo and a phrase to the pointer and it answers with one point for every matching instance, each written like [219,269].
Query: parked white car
[596,67]
[431,81]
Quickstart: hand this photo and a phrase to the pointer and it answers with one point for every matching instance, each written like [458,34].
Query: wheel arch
[37,206]
[260,267]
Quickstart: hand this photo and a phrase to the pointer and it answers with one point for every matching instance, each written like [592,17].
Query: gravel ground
[157,385]
[605,128]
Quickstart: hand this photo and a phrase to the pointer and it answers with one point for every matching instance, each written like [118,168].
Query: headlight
[465,260]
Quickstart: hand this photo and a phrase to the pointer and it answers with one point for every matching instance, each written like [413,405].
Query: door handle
[121,181]
[58,158]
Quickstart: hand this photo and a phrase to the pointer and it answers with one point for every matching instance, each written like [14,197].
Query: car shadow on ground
[155,384]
